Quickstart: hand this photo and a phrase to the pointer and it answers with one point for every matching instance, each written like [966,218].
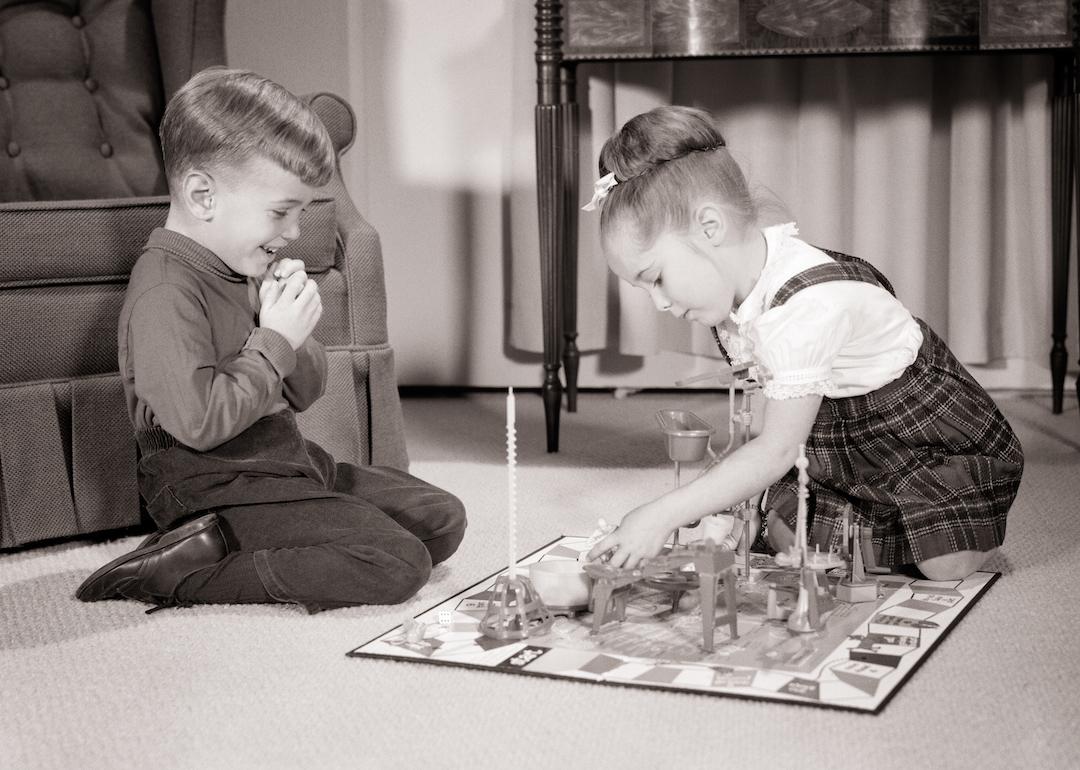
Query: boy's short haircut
[222,118]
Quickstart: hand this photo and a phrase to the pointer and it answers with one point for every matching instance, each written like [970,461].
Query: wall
[443,167]
[445,134]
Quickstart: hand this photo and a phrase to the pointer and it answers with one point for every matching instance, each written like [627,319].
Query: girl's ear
[198,195]
[712,222]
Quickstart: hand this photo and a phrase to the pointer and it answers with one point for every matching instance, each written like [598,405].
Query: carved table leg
[1062,170]
[570,357]
[1072,137]
[548,131]
[550,126]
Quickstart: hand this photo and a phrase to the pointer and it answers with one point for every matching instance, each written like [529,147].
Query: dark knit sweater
[192,357]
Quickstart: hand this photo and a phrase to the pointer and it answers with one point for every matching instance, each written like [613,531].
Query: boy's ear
[712,221]
[198,194]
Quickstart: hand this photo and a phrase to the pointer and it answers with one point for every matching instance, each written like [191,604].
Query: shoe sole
[89,592]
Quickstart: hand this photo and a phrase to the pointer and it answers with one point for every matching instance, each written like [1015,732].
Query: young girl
[891,421]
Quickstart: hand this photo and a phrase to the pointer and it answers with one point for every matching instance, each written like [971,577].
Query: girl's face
[683,273]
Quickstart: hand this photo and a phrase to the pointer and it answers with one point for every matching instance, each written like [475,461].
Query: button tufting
[13,149]
[77,22]
[3,83]
[106,149]
[91,85]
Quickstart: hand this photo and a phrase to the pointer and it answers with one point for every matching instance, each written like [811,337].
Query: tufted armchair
[83,85]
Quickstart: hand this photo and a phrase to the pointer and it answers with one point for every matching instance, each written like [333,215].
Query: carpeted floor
[105,685]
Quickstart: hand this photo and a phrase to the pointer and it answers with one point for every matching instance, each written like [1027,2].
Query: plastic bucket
[687,434]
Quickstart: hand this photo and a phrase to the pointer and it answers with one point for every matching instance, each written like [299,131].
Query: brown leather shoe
[152,572]
[150,539]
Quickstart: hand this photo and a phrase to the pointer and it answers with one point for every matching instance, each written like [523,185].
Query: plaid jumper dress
[928,461]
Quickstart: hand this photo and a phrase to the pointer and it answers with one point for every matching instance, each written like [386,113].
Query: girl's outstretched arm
[744,473]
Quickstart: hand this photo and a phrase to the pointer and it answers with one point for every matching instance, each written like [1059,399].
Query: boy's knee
[444,526]
[953,566]
[455,519]
[444,513]
[387,573]
[409,571]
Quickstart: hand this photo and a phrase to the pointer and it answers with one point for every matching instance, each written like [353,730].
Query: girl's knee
[953,566]
[778,532]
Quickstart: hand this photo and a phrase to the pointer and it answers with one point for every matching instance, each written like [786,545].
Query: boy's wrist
[274,347]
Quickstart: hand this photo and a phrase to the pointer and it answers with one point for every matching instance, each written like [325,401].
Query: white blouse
[835,339]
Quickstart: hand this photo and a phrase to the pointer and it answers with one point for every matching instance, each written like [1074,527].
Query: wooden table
[601,30]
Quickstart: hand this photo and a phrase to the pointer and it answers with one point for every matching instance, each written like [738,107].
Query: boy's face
[678,272]
[256,212]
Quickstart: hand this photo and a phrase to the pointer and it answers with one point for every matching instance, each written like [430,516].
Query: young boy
[216,355]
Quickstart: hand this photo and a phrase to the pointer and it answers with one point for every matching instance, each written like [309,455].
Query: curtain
[935,169]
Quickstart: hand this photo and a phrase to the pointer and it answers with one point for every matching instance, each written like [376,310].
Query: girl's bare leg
[779,533]
[953,566]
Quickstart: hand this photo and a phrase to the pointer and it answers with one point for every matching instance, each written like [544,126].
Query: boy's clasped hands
[289,301]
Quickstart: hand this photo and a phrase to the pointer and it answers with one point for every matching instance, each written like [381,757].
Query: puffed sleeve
[797,344]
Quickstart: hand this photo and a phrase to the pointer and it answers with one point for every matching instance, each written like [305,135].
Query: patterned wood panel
[604,29]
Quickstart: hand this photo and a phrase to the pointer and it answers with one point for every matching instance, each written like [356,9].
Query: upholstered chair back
[83,85]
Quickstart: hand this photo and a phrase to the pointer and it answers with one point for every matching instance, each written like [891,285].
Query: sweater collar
[194,254]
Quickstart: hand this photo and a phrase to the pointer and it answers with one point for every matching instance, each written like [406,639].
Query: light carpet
[104,685]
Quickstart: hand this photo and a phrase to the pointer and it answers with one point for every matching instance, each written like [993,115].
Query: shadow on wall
[432,289]
[482,239]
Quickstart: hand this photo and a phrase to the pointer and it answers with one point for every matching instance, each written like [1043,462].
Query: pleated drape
[936,169]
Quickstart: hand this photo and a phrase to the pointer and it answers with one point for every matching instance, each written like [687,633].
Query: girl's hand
[639,536]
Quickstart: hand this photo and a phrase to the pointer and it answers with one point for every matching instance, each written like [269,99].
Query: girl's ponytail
[657,137]
[664,162]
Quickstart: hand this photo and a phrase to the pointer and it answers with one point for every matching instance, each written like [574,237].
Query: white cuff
[786,389]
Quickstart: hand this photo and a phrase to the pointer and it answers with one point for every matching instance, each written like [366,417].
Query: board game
[857,660]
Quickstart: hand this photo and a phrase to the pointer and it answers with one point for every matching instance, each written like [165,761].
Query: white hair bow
[601,188]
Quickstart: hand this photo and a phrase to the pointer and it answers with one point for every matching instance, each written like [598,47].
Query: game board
[860,658]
